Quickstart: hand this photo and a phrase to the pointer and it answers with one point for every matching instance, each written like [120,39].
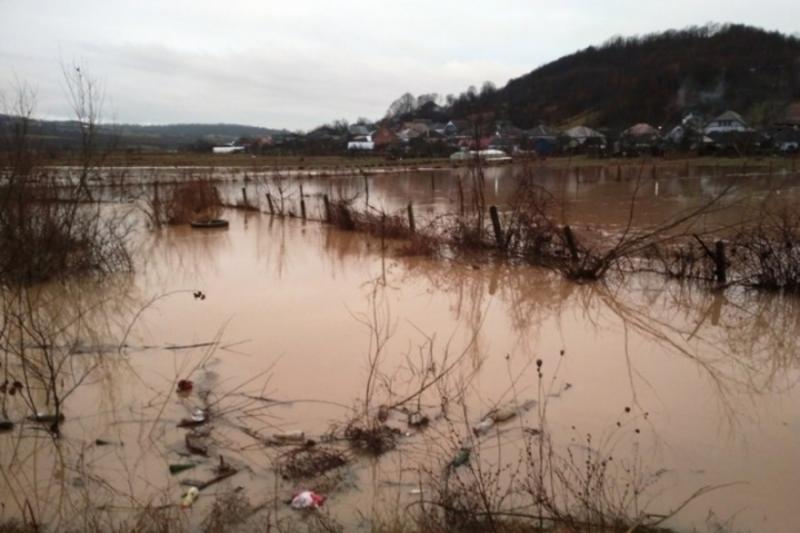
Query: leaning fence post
[327,207]
[302,203]
[498,230]
[411,225]
[271,207]
[570,237]
[720,262]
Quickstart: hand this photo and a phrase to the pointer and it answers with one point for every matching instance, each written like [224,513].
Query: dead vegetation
[51,224]
[309,461]
[196,199]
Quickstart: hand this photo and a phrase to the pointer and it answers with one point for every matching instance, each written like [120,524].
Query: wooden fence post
[302,203]
[570,237]
[327,208]
[244,197]
[411,225]
[720,262]
[271,206]
[498,230]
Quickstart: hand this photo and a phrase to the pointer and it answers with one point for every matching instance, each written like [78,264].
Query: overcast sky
[299,63]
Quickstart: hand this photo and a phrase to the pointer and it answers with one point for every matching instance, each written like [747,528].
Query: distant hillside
[655,79]
[65,134]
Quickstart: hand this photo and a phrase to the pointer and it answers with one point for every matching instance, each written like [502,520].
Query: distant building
[458,127]
[728,122]
[227,149]
[638,139]
[359,130]
[786,130]
[385,137]
[363,143]
[582,135]
[542,139]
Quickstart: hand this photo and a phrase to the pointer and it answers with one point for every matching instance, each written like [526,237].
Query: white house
[362,143]
[227,149]
[729,121]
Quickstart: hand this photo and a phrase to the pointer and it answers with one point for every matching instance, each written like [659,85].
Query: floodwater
[687,387]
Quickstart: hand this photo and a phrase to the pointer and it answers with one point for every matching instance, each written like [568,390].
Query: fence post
[573,249]
[327,208]
[411,225]
[271,207]
[720,262]
[302,203]
[244,197]
[498,230]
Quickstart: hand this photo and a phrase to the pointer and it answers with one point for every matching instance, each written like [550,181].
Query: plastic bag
[307,499]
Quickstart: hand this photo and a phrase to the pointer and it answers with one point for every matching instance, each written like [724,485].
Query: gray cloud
[297,64]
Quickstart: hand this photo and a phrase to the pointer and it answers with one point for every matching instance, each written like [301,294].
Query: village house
[456,128]
[541,139]
[228,149]
[785,132]
[362,143]
[583,136]
[639,139]
[728,122]
[384,137]
[359,130]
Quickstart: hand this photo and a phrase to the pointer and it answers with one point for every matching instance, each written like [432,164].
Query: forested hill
[654,78]
[66,134]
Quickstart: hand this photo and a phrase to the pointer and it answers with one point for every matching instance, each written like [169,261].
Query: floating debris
[190,497]
[309,461]
[461,458]
[6,425]
[501,414]
[376,440]
[483,427]
[198,418]
[418,420]
[290,436]
[46,418]
[216,223]
[180,467]
[307,499]
[197,443]
[185,387]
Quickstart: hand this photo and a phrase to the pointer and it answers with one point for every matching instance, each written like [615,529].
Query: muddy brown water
[709,378]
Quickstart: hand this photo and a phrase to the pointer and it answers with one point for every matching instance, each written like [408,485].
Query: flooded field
[640,391]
